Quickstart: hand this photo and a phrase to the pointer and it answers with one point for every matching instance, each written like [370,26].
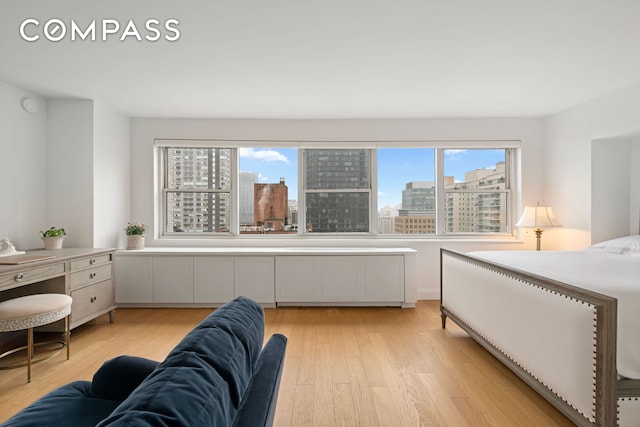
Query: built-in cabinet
[205,277]
[203,280]
[352,278]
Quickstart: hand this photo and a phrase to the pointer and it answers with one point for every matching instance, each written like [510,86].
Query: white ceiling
[332,58]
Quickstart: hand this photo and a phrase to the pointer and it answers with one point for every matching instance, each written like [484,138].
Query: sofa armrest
[258,404]
[118,377]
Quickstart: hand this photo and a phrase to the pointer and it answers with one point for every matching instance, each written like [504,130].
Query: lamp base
[538,232]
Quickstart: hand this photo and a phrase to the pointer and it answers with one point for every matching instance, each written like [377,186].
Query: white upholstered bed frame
[559,339]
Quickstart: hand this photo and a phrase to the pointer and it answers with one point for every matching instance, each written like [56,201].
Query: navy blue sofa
[218,375]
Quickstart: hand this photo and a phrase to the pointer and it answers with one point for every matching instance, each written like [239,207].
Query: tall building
[478,211]
[334,170]
[418,212]
[415,222]
[293,213]
[192,171]
[387,219]
[419,195]
[245,197]
[271,205]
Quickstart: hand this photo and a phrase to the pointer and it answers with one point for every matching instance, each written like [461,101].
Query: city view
[337,190]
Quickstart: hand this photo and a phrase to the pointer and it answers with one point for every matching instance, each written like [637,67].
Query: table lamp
[538,217]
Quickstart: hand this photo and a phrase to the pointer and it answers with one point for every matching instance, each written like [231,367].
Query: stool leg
[29,352]
[67,325]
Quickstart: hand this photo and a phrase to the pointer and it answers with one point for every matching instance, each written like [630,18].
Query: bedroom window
[231,188]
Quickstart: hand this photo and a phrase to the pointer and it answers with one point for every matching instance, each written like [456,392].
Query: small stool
[32,311]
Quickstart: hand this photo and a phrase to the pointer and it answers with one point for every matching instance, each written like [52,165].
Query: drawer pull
[92,275]
[93,299]
[18,277]
[92,261]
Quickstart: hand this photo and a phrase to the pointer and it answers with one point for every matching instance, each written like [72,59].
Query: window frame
[161,147]
[441,193]
[512,185]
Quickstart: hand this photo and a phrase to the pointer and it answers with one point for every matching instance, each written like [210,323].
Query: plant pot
[53,242]
[135,241]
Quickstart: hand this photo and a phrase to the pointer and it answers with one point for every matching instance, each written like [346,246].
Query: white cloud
[266,155]
[455,154]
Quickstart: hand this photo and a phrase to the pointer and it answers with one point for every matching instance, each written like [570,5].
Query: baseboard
[428,294]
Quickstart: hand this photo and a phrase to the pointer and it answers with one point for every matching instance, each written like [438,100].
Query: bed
[566,322]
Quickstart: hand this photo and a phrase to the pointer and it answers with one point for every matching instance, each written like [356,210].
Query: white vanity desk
[208,277]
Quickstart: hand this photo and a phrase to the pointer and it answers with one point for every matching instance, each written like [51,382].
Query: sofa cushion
[188,393]
[203,379]
[118,377]
[69,405]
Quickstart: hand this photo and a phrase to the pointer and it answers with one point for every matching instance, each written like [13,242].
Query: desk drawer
[79,264]
[89,276]
[30,275]
[91,299]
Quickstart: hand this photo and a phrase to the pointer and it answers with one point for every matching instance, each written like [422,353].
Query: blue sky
[396,167]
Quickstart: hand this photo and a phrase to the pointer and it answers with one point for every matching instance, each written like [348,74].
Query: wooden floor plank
[362,398]
[323,409]
[386,411]
[345,414]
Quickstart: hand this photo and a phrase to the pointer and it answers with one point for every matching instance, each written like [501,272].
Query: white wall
[67,165]
[634,205]
[143,132]
[70,170]
[111,177]
[568,140]
[89,172]
[611,169]
[23,168]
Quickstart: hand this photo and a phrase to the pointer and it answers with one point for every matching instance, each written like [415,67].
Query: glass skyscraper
[337,190]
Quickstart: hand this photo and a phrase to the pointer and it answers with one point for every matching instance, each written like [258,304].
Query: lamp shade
[538,216]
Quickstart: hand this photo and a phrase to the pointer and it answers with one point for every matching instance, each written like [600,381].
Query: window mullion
[373,189]
[440,192]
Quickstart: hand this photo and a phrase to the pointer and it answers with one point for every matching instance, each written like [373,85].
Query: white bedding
[615,275]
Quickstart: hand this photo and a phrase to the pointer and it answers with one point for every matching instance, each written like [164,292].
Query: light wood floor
[344,367]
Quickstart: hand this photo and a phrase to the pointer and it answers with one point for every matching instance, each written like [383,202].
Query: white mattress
[615,275]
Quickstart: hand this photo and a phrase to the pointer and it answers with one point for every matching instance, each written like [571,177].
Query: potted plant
[135,235]
[53,237]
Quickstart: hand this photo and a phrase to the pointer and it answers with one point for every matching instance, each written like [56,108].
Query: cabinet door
[214,279]
[173,279]
[296,278]
[383,279]
[134,279]
[339,278]
[254,278]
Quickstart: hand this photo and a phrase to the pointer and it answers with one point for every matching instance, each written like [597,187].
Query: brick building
[270,204]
